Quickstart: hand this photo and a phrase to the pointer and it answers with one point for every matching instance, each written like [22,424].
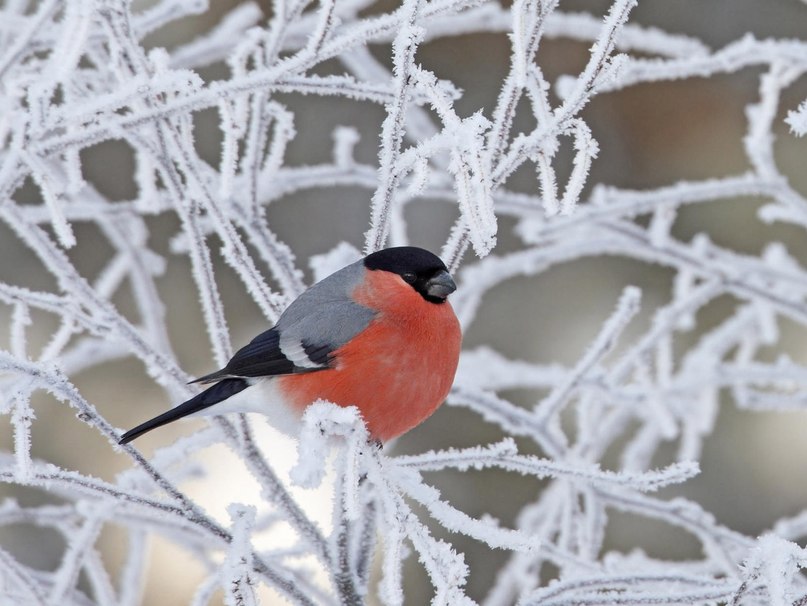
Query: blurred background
[649,136]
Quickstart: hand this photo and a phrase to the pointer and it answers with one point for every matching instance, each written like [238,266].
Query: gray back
[325,314]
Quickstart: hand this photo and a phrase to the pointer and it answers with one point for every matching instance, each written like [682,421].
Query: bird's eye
[409,277]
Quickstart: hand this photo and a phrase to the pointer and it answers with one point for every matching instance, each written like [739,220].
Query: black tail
[211,395]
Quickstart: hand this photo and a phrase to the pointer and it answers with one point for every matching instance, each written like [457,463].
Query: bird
[378,334]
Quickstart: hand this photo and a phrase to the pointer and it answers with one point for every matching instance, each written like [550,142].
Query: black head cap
[423,270]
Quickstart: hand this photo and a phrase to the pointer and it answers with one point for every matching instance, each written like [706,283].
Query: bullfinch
[378,334]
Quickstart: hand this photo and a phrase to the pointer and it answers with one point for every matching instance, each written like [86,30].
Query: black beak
[440,285]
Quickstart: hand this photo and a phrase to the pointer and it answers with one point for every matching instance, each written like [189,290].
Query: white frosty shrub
[75,74]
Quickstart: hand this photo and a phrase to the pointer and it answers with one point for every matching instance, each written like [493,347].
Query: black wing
[262,357]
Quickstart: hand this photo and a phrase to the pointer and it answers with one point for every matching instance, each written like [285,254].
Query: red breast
[398,370]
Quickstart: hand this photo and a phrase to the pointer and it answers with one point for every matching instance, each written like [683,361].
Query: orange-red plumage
[398,370]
